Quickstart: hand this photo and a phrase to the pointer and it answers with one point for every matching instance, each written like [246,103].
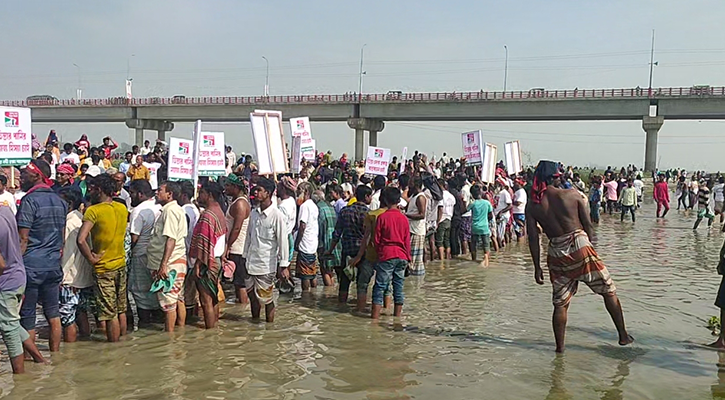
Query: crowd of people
[103,241]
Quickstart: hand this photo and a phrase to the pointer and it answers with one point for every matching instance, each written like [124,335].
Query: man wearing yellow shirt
[167,254]
[105,221]
[138,170]
[628,200]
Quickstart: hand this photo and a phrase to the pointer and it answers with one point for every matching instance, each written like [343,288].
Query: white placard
[195,154]
[404,155]
[296,153]
[488,168]
[512,151]
[377,161]
[15,136]
[211,159]
[472,149]
[269,143]
[181,159]
[129,86]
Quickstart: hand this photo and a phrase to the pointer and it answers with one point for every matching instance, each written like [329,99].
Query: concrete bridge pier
[152,124]
[651,126]
[360,125]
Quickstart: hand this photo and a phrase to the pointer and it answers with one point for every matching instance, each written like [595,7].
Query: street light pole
[362,56]
[505,67]
[79,91]
[266,80]
[128,66]
[651,64]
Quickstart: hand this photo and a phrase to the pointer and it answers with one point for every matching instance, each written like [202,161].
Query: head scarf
[289,184]
[67,169]
[46,180]
[544,171]
[235,180]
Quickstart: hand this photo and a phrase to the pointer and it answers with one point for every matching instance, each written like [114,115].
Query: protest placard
[15,136]
[512,151]
[488,167]
[296,154]
[181,159]
[269,143]
[472,149]
[211,158]
[377,161]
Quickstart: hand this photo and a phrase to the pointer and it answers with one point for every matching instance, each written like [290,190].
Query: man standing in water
[661,194]
[265,248]
[105,223]
[563,216]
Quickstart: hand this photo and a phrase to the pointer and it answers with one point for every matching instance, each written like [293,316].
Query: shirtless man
[564,217]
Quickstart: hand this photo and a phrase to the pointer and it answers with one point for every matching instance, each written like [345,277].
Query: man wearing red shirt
[661,194]
[392,242]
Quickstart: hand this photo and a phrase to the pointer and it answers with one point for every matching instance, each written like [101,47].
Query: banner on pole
[512,151]
[211,159]
[488,168]
[377,161]
[181,159]
[15,136]
[269,143]
[404,156]
[472,149]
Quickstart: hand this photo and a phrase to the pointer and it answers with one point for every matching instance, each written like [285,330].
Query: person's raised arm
[534,245]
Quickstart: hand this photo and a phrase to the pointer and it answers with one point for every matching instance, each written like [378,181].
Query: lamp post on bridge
[360,86]
[79,90]
[129,80]
[266,79]
[652,64]
[505,67]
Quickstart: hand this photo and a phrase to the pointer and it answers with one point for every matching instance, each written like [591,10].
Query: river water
[466,333]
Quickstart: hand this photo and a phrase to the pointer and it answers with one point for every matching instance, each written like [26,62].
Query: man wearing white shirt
[153,167]
[69,156]
[307,237]
[718,192]
[445,214]
[286,190]
[378,185]
[6,198]
[502,212]
[141,225]
[519,210]
[639,189]
[266,247]
[146,149]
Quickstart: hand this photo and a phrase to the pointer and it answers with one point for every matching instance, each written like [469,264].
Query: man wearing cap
[237,218]
[41,226]
[562,214]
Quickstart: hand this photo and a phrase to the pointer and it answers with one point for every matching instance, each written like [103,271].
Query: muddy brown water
[467,333]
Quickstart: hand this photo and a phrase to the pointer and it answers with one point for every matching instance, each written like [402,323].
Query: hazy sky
[215,47]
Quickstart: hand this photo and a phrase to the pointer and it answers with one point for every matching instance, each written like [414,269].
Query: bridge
[368,112]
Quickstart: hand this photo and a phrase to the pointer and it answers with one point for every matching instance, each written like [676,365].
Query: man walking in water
[563,216]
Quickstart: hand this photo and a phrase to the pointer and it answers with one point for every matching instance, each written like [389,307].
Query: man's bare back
[561,211]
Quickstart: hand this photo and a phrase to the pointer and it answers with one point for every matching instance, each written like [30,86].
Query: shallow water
[469,333]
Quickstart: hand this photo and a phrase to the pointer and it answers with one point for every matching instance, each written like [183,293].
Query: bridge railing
[392,97]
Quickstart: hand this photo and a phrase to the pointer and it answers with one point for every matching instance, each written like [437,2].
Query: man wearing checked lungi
[564,217]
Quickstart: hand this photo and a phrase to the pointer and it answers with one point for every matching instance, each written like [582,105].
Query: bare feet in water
[628,340]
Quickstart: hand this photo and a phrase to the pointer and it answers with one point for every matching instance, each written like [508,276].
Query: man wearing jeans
[392,242]
[41,226]
[12,286]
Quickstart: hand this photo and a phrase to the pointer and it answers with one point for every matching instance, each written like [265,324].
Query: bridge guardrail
[534,94]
